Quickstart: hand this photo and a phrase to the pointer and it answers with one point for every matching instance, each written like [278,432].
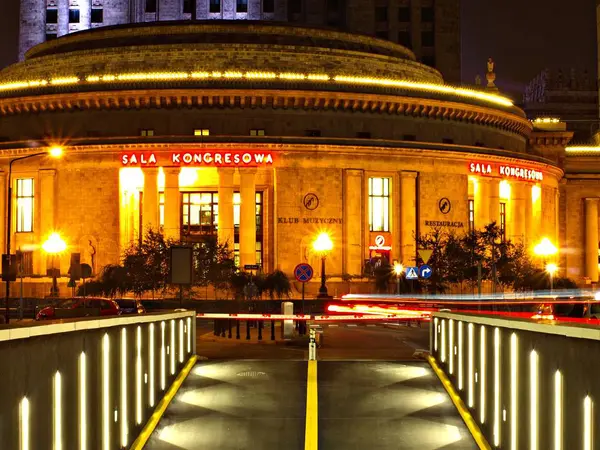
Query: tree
[213,263]
[278,285]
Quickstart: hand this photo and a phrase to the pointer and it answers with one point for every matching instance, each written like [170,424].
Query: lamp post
[54,152]
[54,246]
[398,269]
[551,269]
[322,245]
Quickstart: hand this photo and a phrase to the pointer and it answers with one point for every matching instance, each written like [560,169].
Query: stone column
[150,200]
[63,17]
[228,8]
[408,217]
[172,227]
[47,190]
[85,14]
[247,217]
[482,203]
[353,221]
[494,201]
[3,188]
[225,218]
[32,29]
[591,238]
[516,226]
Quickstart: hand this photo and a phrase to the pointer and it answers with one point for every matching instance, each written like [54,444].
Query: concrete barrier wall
[89,384]
[527,385]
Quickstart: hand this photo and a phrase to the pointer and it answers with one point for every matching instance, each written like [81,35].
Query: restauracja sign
[198,158]
[506,171]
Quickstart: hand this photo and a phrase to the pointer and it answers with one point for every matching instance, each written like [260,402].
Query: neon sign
[198,158]
[508,171]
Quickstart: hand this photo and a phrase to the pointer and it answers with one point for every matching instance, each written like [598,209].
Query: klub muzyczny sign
[198,158]
[507,171]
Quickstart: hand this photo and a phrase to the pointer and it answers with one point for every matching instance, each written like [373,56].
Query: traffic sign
[425,255]
[412,273]
[303,272]
[252,267]
[425,271]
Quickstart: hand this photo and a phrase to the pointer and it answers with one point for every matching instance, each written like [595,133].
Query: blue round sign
[303,272]
[425,271]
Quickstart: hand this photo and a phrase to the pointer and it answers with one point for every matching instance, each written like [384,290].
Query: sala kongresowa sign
[198,158]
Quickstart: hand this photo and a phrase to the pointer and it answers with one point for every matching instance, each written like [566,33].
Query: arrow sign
[425,255]
[425,271]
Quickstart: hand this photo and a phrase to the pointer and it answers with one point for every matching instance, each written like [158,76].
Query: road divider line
[150,426]
[478,436]
[311,435]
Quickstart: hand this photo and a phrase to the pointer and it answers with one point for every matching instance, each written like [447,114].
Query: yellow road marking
[478,436]
[312,408]
[142,439]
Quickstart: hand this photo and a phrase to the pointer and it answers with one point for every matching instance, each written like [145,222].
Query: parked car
[79,307]
[131,306]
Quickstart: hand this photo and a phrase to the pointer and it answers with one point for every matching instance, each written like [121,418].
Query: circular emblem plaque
[311,201]
[444,205]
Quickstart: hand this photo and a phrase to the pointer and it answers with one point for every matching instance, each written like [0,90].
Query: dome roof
[217,46]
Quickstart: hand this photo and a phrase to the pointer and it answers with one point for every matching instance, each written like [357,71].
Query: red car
[79,307]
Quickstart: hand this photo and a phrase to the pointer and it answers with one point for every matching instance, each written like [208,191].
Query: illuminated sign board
[508,171]
[380,244]
[198,158]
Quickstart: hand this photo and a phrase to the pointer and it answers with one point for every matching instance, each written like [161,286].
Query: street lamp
[322,245]
[545,248]
[54,246]
[398,269]
[551,269]
[54,152]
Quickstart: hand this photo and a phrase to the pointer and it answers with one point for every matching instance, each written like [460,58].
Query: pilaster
[150,199]
[172,227]
[591,239]
[247,216]
[353,231]
[408,217]
[225,218]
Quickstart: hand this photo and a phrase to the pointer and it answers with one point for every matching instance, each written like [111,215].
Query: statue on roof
[490,76]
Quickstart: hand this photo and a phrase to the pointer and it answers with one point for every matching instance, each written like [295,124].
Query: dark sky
[523,37]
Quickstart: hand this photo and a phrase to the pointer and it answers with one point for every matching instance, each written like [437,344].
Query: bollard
[247,330]
[229,324]
[215,327]
[223,328]
[260,327]
[237,329]
[312,346]
[272,330]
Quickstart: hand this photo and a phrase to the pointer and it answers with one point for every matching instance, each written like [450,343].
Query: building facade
[570,96]
[265,135]
[430,28]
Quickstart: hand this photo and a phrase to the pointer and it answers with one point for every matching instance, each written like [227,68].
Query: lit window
[200,212]
[268,6]
[379,204]
[52,16]
[202,132]
[503,220]
[97,15]
[257,132]
[259,228]
[241,6]
[73,16]
[161,209]
[25,205]
[471,215]
[147,132]
[215,6]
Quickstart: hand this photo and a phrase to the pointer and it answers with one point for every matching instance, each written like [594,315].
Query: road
[372,394]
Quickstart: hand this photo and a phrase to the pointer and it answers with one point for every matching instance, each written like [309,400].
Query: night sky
[523,37]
